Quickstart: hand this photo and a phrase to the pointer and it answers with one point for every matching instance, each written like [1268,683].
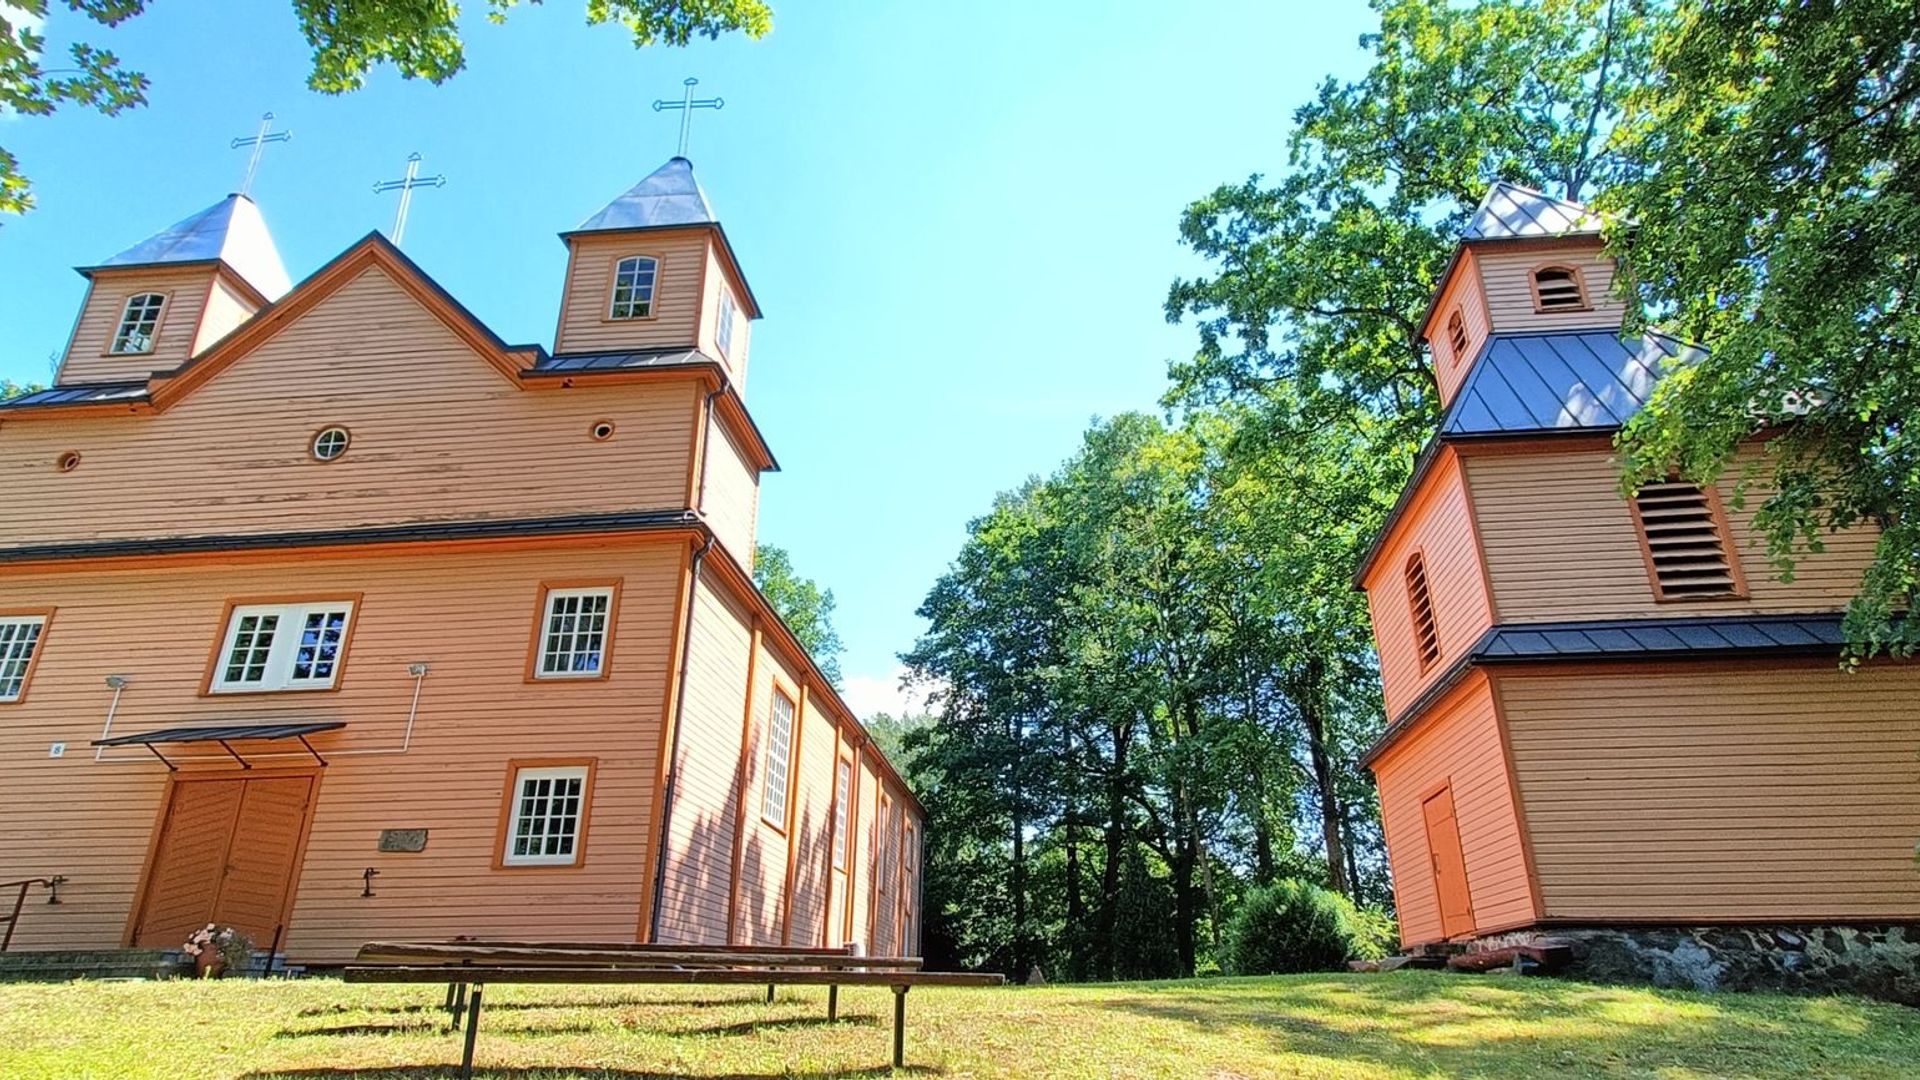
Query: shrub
[1293,926]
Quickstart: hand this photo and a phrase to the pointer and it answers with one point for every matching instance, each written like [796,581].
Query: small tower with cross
[651,275]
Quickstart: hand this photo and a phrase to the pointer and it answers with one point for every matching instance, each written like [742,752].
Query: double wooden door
[228,853]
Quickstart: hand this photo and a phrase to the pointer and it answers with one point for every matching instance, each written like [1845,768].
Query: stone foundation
[1877,960]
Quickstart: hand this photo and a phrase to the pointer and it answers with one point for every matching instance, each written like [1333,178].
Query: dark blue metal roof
[570,363]
[1709,635]
[88,394]
[1565,381]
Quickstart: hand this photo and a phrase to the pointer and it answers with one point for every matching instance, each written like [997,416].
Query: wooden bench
[467,966]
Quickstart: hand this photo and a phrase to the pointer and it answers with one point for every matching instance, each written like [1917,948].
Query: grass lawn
[1407,1024]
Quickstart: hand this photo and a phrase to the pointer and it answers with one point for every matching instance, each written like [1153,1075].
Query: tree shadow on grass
[521,1006]
[576,1073]
[1455,1025]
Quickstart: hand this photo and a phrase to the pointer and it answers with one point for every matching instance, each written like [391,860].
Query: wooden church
[327,614]
[1608,717]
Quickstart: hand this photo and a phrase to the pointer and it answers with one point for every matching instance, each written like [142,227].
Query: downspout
[672,764]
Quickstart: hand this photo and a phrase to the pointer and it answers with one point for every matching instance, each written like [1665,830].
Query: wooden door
[227,854]
[1449,864]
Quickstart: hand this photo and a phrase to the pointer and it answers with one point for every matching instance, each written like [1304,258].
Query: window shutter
[1557,288]
[1686,547]
[1426,631]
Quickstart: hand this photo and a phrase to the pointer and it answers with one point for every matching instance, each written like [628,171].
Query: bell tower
[653,273]
[163,301]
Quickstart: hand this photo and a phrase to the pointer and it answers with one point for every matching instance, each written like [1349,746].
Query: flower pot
[209,965]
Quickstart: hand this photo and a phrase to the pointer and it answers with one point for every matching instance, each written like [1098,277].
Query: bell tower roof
[668,197]
[1512,212]
[230,231]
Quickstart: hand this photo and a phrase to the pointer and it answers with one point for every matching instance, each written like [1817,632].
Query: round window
[69,461]
[330,443]
[602,430]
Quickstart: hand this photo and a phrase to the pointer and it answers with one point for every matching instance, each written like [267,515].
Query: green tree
[1324,275]
[802,604]
[1778,223]
[350,38]
[10,389]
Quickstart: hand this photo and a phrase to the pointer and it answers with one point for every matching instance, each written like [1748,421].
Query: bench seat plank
[487,974]
[513,955]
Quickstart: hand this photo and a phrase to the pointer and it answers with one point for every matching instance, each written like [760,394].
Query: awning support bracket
[311,750]
[155,751]
[244,763]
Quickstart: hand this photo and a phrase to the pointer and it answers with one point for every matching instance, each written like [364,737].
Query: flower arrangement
[216,949]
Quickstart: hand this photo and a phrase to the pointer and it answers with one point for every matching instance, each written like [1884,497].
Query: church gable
[428,429]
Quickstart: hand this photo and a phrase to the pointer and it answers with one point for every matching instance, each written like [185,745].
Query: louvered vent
[1457,336]
[1557,288]
[1426,632]
[1684,542]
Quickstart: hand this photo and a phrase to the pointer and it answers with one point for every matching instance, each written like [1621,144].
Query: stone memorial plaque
[403,839]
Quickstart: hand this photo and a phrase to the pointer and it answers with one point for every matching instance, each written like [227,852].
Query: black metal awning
[224,734]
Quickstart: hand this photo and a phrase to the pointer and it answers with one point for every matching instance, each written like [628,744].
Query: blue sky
[960,218]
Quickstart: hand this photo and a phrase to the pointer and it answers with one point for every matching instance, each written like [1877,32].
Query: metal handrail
[12,920]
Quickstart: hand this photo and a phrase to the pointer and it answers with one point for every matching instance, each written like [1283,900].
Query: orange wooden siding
[677,294]
[1464,295]
[734,357]
[697,893]
[1457,744]
[1780,791]
[437,434]
[1561,544]
[730,501]
[813,826]
[1439,525]
[228,305]
[87,359]
[465,614]
[1505,275]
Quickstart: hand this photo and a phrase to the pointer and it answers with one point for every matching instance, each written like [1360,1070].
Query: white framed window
[634,278]
[19,638]
[283,647]
[723,334]
[574,633]
[139,323]
[773,793]
[842,795]
[547,818]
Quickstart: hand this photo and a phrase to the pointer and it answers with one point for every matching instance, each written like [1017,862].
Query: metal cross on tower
[259,143]
[686,105]
[405,186]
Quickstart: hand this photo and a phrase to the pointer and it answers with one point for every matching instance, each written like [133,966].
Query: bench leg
[473,1031]
[459,1004]
[833,1004]
[900,1027]
[769,993]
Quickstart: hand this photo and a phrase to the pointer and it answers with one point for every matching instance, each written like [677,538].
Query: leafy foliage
[1289,927]
[803,605]
[1778,222]
[420,38]
[10,389]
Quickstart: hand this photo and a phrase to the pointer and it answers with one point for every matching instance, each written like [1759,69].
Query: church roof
[230,231]
[1512,212]
[669,196]
[1577,380]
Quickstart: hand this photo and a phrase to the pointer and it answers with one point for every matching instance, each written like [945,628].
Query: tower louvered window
[1686,542]
[1457,336]
[1558,288]
[1426,631]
